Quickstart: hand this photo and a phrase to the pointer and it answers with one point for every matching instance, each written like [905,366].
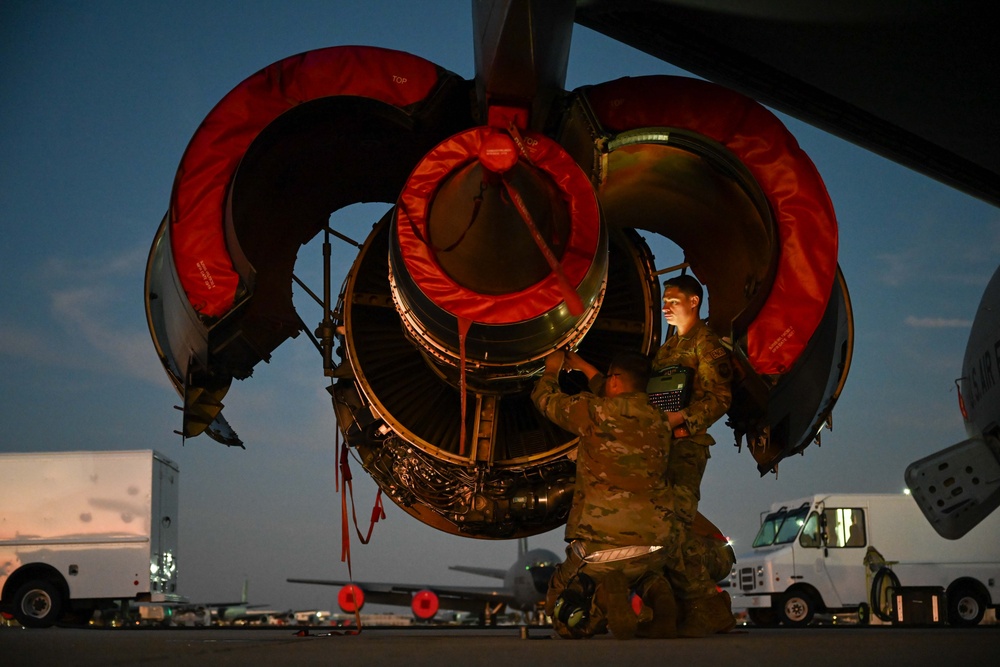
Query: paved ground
[811,647]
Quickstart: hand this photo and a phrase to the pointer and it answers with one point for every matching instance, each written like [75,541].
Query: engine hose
[882,591]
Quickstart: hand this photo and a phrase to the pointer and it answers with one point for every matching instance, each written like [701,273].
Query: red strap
[961,401]
[572,299]
[336,455]
[343,470]
[570,295]
[345,534]
[463,332]
[378,512]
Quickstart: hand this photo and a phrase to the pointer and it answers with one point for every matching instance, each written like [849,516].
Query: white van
[83,530]
[809,557]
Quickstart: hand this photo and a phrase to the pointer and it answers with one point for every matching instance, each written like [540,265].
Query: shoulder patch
[717,353]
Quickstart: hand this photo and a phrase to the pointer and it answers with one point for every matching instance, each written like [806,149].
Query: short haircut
[635,368]
[687,284]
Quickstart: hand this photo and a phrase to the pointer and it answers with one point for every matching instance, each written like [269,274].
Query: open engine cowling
[512,232]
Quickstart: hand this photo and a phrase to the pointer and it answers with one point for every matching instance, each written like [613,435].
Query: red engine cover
[351,599]
[425,605]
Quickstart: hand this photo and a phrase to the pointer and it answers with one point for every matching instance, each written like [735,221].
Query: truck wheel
[37,604]
[864,614]
[796,609]
[764,618]
[966,606]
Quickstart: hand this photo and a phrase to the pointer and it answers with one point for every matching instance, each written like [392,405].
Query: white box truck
[809,557]
[82,530]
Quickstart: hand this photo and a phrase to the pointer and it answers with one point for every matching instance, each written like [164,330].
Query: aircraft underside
[518,224]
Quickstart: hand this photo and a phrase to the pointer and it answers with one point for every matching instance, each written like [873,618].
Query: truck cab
[812,555]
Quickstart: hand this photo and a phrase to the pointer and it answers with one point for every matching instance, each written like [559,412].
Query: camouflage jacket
[621,496]
[702,351]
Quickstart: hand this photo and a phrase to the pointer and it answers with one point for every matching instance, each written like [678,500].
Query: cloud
[92,314]
[94,320]
[897,269]
[937,323]
[24,344]
[82,271]
[960,259]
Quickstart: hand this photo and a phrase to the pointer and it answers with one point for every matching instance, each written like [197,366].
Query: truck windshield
[781,527]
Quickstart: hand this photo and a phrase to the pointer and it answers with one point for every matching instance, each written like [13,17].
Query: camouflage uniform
[711,395]
[706,559]
[621,496]
[702,351]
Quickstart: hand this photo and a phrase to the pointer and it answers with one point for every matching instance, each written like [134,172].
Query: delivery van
[814,554]
[83,530]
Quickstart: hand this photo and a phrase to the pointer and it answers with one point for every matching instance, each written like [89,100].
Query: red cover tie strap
[570,296]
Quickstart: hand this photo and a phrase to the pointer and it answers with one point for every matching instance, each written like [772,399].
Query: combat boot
[656,593]
[707,616]
[612,597]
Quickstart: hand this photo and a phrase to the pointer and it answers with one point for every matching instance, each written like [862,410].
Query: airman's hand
[577,363]
[554,362]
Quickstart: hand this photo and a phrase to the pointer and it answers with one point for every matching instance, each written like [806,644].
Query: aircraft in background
[957,487]
[524,586]
[226,613]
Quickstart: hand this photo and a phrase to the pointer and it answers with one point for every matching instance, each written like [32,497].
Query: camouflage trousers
[685,469]
[573,586]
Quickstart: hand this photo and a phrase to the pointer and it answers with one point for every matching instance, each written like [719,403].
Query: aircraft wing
[481,571]
[524,586]
[423,600]
[913,81]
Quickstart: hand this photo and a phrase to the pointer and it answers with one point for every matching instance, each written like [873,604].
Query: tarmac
[514,646]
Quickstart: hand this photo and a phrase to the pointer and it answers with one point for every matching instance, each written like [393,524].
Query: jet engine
[516,228]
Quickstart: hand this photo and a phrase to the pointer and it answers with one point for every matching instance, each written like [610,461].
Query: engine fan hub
[503,255]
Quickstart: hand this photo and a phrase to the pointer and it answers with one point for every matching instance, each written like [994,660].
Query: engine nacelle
[401,407]
[514,231]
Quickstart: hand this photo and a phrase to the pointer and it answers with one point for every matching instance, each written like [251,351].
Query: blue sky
[97,103]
